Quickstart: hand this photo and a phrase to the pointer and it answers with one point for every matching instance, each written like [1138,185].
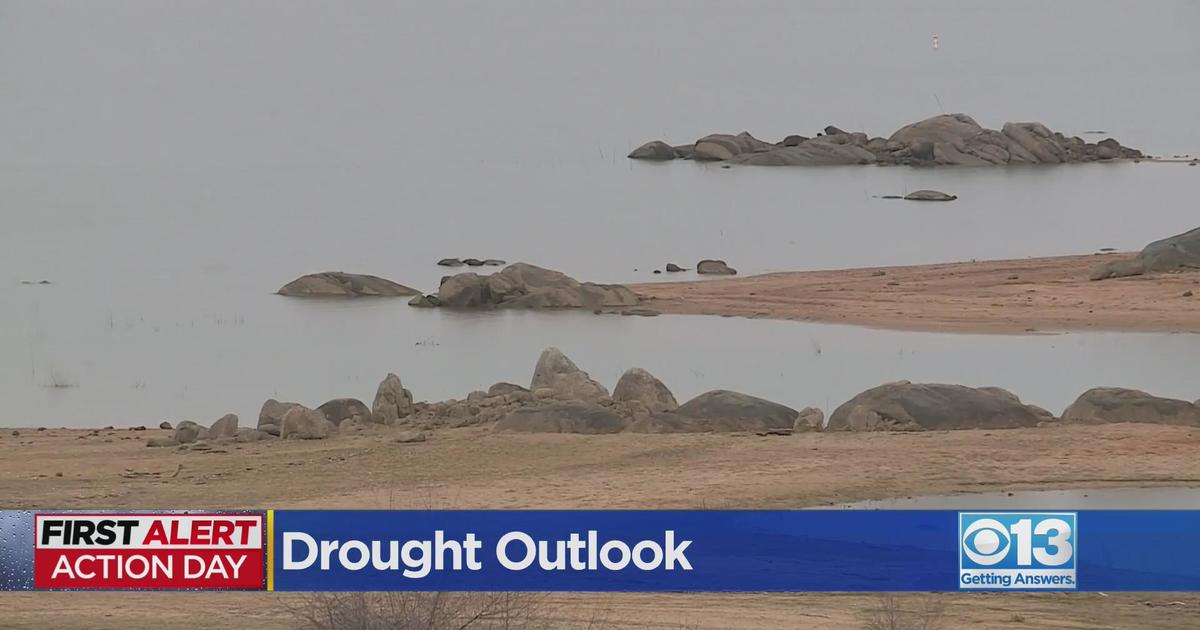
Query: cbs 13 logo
[1010,540]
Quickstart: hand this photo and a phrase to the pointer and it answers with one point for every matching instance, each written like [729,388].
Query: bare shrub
[926,613]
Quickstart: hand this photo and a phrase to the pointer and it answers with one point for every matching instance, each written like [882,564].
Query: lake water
[168,167]
[165,360]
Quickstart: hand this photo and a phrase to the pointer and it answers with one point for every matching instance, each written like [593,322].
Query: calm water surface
[169,166]
[176,361]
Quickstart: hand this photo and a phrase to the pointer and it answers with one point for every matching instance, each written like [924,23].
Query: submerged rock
[340,284]
[929,195]
[720,146]
[1115,404]
[816,152]
[653,150]
[425,301]
[905,406]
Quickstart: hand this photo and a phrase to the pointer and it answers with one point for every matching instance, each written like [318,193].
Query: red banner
[148,569]
[149,551]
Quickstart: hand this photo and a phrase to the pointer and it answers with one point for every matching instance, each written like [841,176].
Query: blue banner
[643,551]
[814,551]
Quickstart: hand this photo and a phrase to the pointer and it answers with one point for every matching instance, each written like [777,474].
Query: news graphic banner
[633,551]
[145,550]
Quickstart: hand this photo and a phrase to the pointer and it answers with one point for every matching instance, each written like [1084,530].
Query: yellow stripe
[270,550]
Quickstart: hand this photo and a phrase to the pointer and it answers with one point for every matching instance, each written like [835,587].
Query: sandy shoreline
[472,468]
[998,296]
[475,468]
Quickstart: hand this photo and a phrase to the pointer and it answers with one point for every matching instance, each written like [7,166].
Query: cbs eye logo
[1017,541]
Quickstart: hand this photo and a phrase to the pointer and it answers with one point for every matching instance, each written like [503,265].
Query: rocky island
[342,284]
[521,285]
[945,140]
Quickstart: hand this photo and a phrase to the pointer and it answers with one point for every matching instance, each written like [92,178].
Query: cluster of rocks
[223,431]
[905,406]
[341,284]
[470,262]
[521,285]
[707,266]
[295,421]
[948,139]
[1176,253]
[562,398]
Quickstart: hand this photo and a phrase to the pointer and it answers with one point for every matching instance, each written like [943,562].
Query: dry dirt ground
[998,296]
[471,468]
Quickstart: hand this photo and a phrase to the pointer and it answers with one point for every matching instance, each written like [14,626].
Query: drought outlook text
[514,551]
[148,551]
